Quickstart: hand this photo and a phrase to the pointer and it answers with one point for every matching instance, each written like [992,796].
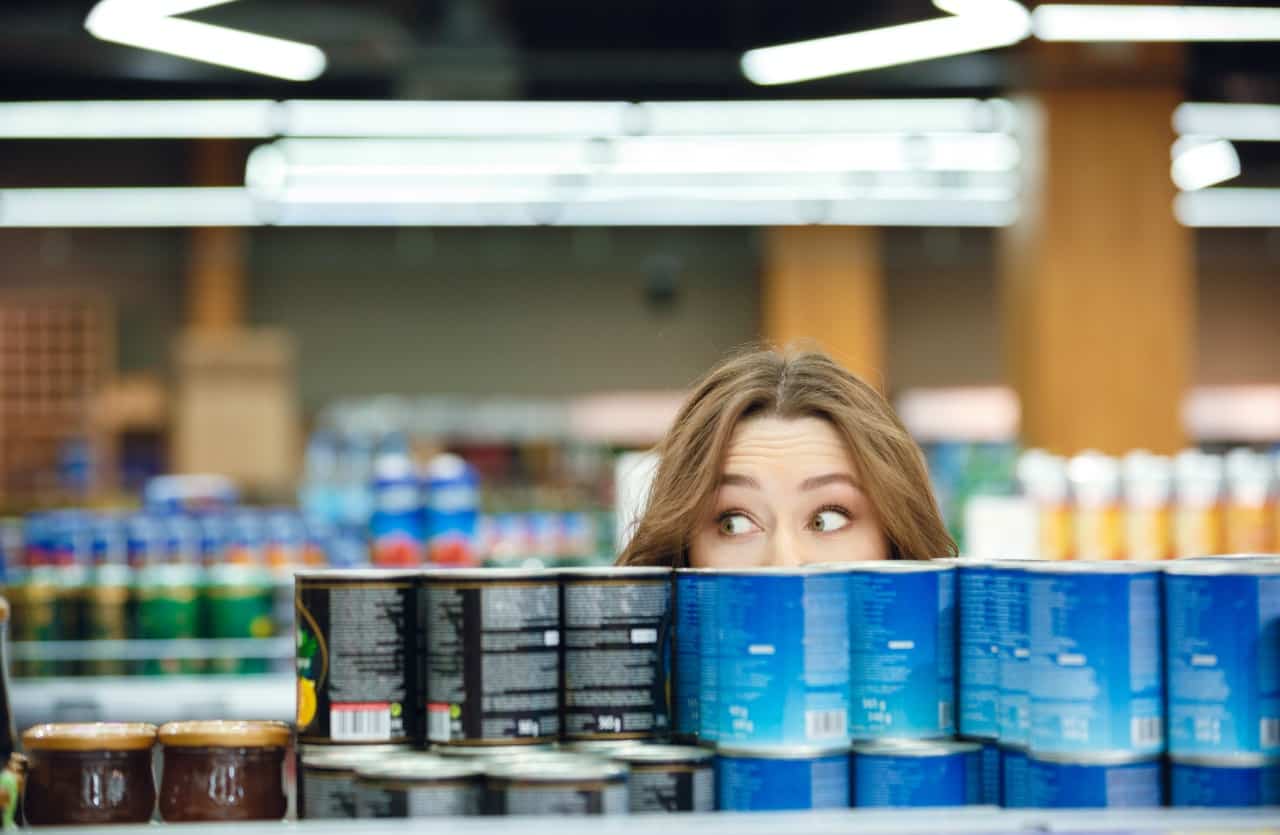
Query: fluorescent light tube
[1239,122]
[1229,207]
[186,119]
[1077,22]
[1200,162]
[975,25]
[122,207]
[831,116]
[316,118]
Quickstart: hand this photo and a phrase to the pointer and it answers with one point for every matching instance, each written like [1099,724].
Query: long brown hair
[787,385]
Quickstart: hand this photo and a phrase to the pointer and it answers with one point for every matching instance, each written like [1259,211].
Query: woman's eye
[735,524]
[829,520]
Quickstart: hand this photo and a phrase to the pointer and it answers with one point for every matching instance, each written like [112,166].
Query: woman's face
[789,495]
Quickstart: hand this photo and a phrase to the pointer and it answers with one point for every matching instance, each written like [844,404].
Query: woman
[787,459]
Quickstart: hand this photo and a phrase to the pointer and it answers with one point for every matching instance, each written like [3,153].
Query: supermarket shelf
[151,698]
[860,821]
[146,650]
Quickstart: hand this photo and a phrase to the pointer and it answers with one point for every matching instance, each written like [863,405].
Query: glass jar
[91,773]
[223,771]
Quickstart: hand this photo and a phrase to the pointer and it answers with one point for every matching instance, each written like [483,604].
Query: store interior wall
[1238,334]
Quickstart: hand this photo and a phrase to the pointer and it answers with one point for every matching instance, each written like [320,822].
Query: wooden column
[1098,280]
[824,286]
[216,266]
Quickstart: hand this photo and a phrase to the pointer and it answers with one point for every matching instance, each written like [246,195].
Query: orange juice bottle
[1095,486]
[1044,480]
[1250,502]
[1198,511]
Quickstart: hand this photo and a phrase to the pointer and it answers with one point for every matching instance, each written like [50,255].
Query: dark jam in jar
[223,771]
[93,773]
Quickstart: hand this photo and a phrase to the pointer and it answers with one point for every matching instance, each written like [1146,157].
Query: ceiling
[539,49]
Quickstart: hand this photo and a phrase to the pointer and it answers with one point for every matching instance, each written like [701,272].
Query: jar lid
[90,736]
[219,733]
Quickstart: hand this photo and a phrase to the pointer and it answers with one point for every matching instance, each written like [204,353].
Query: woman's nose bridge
[788,548]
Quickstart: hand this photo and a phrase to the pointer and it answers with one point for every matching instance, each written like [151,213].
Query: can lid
[1223,566]
[902,566]
[220,733]
[782,752]
[1094,567]
[1227,760]
[471,575]
[555,768]
[810,570]
[416,766]
[1093,758]
[915,748]
[594,572]
[643,753]
[90,736]
[346,758]
[483,752]
[354,574]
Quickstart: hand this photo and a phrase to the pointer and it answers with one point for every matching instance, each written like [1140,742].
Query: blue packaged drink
[1238,781]
[1106,782]
[145,540]
[752,779]
[1222,645]
[1097,682]
[1013,634]
[108,543]
[784,656]
[685,681]
[890,773]
[902,628]
[453,512]
[1014,791]
[978,693]
[989,786]
[215,537]
[396,524]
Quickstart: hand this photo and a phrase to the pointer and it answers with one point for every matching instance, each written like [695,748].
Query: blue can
[451,511]
[1013,634]
[908,773]
[686,681]
[108,544]
[784,656]
[707,593]
[977,620]
[989,786]
[1014,791]
[902,631]
[1222,642]
[1108,782]
[214,537]
[145,540]
[1097,683]
[396,528]
[769,779]
[1242,781]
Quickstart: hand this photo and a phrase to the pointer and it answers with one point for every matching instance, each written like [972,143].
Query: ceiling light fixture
[1200,162]
[185,119]
[125,207]
[1239,122]
[1228,207]
[1079,22]
[151,24]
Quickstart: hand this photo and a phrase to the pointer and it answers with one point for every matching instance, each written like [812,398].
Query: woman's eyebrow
[738,480]
[830,478]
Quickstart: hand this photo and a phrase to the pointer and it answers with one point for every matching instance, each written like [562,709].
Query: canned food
[1221,643]
[893,773]
[784,661]
[1220,781]
[565,785]
[106,613]
[1015,793]
[902,616]
[669,778]
[358,640]
[169,609]
[1056,781]
[493,661]
[239,604]
[327,774]
[707,591]
[979,649]
[1013,634]
[686,670]
[1090,693]
[418,786]
[751,779]
[989,786]
[617,624]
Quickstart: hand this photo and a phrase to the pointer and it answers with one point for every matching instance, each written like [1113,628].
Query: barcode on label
[1269,731]
[945,717]
[824,724]
[360,722]
[1148,730]
[438,729]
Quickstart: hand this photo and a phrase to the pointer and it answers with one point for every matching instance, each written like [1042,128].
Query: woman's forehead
[787,442]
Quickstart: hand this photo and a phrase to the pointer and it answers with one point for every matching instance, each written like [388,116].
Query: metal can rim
[565,768]
[916,748]
[1092,757]
[417,768]
[782,752]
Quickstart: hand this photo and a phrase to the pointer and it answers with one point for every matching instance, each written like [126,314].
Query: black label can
[359,664]
[568,784]
[669,778]
[419,786]
[617,624]
[493,661]
[327,777]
